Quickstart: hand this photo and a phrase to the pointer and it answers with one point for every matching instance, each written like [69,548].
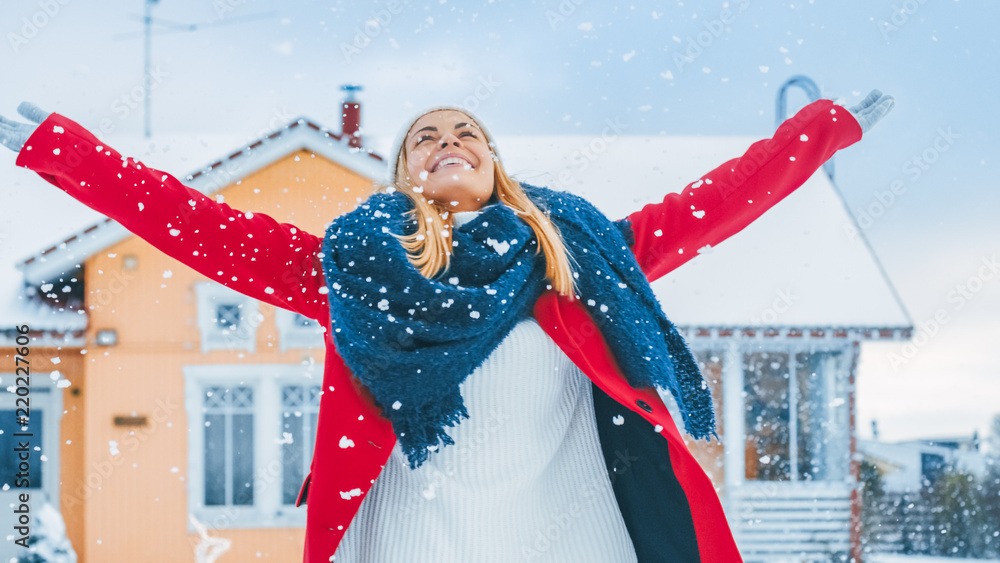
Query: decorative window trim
[211,296]
[293,334]
[266,380]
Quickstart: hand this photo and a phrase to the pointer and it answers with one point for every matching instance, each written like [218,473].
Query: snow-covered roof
[797,252]
[832,280]
[49,327]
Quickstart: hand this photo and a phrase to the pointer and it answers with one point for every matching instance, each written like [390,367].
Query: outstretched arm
[249,252]
[724,201]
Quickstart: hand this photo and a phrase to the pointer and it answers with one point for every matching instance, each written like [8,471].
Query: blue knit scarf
[412,340]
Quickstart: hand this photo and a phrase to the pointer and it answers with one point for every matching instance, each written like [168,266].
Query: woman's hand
[14,134]
[872,109]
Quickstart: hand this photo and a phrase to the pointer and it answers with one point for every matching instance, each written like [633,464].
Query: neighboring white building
[906,466]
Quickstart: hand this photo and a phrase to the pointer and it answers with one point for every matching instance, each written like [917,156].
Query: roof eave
[845,333]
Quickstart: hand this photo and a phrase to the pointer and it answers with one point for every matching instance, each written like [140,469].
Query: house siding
[155,316]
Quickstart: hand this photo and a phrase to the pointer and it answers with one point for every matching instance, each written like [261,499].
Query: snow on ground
[886,558]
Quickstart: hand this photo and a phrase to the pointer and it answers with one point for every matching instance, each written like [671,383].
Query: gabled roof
[298,134]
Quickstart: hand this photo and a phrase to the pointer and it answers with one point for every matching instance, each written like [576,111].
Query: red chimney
[351,125]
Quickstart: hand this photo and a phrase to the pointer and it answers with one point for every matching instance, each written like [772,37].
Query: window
[228,450]
[227,320]
[765,380]
[43,479]
[795,416]
[932,466]
[9,428]
[822,427]
[299,416]
[251,443]
[227,317]
[298,331]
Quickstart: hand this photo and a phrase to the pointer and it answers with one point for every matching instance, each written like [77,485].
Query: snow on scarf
[412,340]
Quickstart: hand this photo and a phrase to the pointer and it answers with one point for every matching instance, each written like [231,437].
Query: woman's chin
[454,176]
[451,204]
[446,195]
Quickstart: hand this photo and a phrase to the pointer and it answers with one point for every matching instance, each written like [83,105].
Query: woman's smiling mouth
[452,160]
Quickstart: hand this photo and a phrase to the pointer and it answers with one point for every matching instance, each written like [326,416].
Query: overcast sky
[553,67]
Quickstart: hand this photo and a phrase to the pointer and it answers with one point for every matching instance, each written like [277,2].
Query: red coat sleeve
[727,199]
[249,252]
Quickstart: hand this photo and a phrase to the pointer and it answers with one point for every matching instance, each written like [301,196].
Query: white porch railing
[790,522]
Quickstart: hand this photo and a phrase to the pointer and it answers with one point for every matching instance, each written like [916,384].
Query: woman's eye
[425,137]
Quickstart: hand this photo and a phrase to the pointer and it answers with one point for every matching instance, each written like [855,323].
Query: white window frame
[266,381]
[731,352]
[294,335]
[210,296]
[45,396]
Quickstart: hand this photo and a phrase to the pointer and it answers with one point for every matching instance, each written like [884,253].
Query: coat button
[644,405]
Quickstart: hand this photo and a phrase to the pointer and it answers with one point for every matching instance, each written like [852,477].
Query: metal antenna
[781,106]
[148,20]
[147,64]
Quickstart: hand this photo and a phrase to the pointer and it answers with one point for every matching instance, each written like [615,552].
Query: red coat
[669,504]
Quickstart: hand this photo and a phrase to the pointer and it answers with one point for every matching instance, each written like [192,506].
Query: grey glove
[872,109]
[14,134]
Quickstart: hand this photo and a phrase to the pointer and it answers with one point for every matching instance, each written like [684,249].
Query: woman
[457,297]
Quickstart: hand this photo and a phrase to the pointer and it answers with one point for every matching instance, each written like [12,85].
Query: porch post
[856,551]
[734,439]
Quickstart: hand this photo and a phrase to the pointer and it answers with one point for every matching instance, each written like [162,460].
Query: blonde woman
[494,347]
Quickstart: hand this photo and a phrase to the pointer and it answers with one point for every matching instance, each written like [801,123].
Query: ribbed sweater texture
[524,481]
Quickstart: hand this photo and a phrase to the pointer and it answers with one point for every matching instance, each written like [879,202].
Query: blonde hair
[429,250]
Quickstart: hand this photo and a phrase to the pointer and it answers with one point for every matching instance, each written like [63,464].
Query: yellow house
[188,421]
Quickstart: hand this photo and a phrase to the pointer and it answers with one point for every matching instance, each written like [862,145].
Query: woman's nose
[449,138]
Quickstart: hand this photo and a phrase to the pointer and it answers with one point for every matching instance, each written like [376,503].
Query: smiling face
[448,160]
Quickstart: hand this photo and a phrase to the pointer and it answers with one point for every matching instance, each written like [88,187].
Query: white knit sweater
[525,480]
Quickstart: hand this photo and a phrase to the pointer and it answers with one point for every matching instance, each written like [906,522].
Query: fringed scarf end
[416,435]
